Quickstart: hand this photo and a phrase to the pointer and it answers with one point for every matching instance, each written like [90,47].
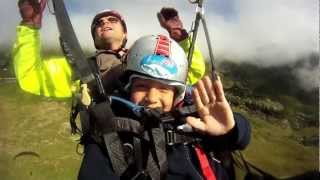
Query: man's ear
[125,36]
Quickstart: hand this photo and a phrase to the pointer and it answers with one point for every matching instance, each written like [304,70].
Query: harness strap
[138,155]
[78,108]
[135,168]
[109,123]
[73,115]
[85,122]
[115,152]
[158,153]
[141,154]
[121,124]
[206,169]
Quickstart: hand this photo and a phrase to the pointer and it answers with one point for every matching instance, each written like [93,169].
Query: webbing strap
[70,44]
[73,115]
[85,121]
[158,153]
[206,169]
[115,152]
[138,155]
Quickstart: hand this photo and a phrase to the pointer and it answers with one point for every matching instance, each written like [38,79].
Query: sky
[268,32]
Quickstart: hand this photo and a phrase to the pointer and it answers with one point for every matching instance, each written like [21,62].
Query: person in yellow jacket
[52,77]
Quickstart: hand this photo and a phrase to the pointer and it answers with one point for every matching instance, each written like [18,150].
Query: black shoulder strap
[115,152]
[70,44]
[158,151]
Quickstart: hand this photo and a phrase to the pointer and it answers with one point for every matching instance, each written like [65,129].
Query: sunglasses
[112,20]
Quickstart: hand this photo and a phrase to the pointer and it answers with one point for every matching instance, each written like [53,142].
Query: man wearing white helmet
[148,145]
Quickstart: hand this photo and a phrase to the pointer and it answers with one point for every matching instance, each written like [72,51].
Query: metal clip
[213,157]
[170,137]
[85,96]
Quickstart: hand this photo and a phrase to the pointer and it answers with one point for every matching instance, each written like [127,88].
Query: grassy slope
[273,150]
[33,124]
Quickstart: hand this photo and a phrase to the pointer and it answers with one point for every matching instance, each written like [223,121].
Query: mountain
[284,115]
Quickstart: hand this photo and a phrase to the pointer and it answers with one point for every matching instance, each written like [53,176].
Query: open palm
[216,117]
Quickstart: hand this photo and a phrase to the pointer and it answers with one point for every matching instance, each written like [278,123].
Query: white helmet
[159,58]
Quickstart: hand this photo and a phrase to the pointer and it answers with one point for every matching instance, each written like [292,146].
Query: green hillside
[284,117]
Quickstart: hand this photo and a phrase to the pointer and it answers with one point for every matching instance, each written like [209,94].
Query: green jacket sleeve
[197,67]
[48,77]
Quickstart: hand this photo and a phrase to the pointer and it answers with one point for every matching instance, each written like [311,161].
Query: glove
[169,19]
[31,12]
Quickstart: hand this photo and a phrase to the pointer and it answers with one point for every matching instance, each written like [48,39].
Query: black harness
[136,137]
[144,135]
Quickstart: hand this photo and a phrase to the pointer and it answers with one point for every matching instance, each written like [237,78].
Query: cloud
[9,17]
[267,31]
[308,73]
[277,31]
[308,78]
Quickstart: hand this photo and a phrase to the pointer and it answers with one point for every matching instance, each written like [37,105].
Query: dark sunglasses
[112,20]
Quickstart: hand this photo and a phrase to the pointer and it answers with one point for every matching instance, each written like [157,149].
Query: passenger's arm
[197,67]
[236,139]
[48,77]
[170,20]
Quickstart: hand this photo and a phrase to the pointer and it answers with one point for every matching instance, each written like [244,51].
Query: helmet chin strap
[124,41]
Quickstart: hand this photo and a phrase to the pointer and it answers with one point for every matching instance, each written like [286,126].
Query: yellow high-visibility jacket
[51,77]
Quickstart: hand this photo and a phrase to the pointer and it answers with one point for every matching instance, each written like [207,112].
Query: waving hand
[216,117]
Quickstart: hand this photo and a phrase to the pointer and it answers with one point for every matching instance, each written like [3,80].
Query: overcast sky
[274,31]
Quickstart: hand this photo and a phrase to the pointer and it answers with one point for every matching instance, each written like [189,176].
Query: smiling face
[109,33]
[152,94]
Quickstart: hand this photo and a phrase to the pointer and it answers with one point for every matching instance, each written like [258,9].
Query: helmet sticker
[159,66]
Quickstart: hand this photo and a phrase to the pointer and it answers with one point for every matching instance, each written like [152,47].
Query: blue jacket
[182,160]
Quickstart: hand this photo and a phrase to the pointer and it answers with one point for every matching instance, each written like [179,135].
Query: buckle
[170,137]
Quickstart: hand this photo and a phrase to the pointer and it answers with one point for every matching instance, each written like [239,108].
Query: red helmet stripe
[163,46]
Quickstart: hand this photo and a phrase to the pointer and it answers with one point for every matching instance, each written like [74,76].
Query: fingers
[218,89]
[209,89]
[205,91]
[197,99]
[202,92]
